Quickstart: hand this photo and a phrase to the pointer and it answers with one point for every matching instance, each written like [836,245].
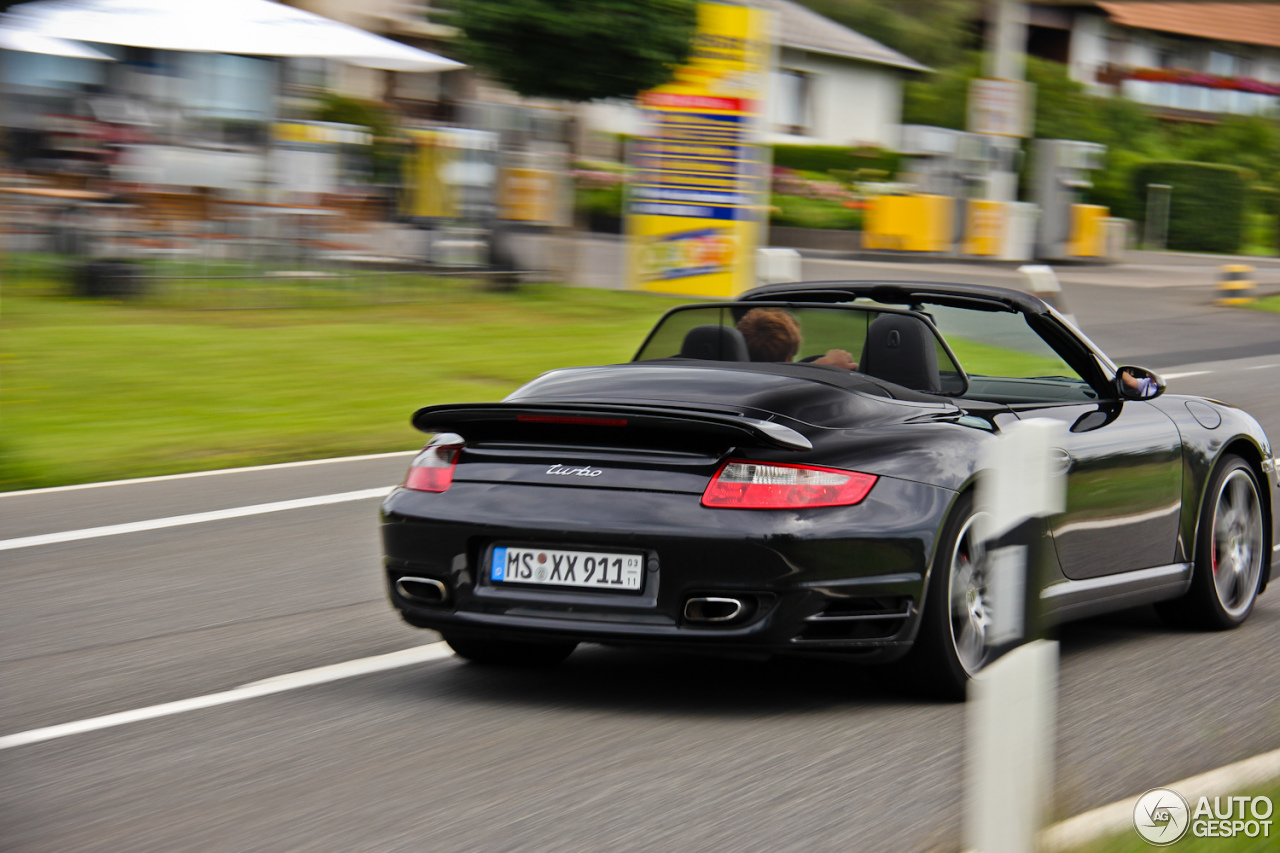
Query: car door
[1122,458]
[1123,462]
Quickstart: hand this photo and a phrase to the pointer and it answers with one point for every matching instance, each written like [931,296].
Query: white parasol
[246,27]
[26,41]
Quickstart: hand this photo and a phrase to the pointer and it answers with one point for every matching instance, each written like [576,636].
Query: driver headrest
[714,343]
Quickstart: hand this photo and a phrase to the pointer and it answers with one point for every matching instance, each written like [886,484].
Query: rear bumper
[844,580]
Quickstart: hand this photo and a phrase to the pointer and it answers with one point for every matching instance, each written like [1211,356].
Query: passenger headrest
[901,349]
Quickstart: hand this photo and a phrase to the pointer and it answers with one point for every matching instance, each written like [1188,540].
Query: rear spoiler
[514,420]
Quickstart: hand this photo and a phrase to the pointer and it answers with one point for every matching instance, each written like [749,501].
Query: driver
[774,335]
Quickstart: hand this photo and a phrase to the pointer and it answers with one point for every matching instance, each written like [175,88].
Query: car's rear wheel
[951,645]
[502,652]
[1230,546]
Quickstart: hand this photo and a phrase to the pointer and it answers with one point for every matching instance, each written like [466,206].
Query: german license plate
[590,569]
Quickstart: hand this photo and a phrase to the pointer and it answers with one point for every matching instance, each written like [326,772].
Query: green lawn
[99,390]
[982,359]
[1269,303]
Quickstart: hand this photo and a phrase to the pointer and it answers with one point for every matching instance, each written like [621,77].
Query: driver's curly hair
[771,334]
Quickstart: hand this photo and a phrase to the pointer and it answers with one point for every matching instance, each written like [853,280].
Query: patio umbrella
[246,27]
[26,41]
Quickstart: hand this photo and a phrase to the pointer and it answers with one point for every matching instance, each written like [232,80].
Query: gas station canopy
[246,27]
[26,41]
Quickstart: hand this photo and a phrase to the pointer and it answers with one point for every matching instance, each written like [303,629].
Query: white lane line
[193,518]
[1167,376]
[192,474]
[1117,817]
[1264,366]
[279,684]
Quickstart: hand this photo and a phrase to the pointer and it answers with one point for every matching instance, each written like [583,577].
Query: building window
[1118,50]
[792,112]
[1222,64]
[306,72]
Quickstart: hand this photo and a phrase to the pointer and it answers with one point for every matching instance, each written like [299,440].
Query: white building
[831,86]
[1181,58]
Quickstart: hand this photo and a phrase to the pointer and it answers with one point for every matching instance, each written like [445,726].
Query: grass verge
[1131,842]
[93,390]
[1268,303]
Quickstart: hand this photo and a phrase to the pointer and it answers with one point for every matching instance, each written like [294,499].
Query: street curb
[1117,817]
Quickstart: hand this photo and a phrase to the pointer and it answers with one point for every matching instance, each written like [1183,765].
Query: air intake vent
[859,618]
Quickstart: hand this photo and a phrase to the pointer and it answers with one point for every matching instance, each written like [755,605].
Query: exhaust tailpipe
[422,590]
[711,609]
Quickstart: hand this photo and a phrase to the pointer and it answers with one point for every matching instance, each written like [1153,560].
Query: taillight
[753,485]
[432,469]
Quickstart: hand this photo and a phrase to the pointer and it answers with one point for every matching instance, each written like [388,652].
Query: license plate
[590,569]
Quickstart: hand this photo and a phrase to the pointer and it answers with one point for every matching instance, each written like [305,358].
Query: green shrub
[833,158]
[800,212]
[1206,209]
[602,201]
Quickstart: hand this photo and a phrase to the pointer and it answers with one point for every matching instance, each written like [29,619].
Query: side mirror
[1138,383]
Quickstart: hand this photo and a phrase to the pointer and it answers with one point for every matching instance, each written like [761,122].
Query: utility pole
[1005,60]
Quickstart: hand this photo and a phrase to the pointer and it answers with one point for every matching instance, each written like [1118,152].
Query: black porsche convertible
[725,491]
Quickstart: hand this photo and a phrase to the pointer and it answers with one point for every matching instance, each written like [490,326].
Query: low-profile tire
[1230,546]
[951,644]
[503,652]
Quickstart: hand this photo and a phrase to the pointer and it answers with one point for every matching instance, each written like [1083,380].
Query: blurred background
[165,164]
[151,144]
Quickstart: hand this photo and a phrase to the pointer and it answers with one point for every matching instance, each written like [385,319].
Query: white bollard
[1013,701]
[775,265]
[1042,281]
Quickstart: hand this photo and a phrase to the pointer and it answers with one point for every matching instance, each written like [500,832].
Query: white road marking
[279,684]
[1168,376]
[193,518]
[1264,366]
[192,474]
[1117,817]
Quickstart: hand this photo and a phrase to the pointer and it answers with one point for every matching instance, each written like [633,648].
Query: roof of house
[1245,23]
[805,29]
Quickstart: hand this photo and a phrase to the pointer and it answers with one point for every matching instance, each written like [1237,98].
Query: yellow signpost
[698,196]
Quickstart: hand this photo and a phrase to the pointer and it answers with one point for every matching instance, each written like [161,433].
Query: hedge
[832,158]
[1206,207]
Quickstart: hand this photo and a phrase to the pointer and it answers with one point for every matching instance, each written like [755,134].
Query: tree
[934,32]
[578,50]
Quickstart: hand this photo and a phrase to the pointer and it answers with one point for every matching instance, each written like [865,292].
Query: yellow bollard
[1236,286]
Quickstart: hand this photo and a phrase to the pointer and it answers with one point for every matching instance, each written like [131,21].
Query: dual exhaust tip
[422,590]
[706,609]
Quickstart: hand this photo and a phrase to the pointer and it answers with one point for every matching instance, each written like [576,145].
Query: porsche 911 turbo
[722,494]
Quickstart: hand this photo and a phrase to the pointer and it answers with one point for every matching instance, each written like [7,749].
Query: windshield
[903,348]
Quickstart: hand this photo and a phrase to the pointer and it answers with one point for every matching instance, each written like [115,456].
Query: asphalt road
[613,751]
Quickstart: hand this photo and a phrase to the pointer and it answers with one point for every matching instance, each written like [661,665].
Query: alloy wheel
[969,599]
[1237,542]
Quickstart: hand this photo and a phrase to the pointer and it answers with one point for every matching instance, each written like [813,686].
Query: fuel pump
[1068,229]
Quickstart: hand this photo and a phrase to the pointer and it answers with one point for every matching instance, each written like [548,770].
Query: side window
[825,329]
[669,337]
[1005,359]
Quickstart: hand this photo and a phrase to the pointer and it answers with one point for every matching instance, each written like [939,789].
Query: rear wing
[602,424]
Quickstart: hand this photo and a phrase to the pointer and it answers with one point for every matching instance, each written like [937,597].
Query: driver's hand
[838,358]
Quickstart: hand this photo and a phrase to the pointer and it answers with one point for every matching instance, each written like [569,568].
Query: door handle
[1060,461]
